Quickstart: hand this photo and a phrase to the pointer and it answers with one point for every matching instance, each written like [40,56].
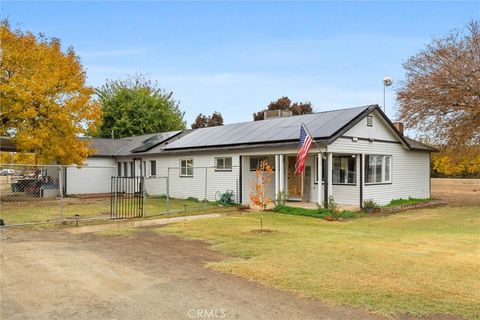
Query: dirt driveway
[58,275]
[457,192]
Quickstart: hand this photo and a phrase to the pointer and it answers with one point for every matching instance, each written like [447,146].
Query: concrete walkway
[139,223]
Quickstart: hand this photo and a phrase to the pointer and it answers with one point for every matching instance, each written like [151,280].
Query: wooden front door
[294,182]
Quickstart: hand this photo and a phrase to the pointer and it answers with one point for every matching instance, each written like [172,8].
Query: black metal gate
[126,197]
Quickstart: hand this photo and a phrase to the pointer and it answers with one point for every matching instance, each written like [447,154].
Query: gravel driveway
[57,275]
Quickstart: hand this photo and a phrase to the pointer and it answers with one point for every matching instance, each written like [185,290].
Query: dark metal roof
[324,126]
[417,145]
[153,141]
[105,146]
[320,125]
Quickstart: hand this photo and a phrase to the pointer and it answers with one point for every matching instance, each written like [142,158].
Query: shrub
[319,213]
[330,205]
[226,199]
[193,199]
[370,205]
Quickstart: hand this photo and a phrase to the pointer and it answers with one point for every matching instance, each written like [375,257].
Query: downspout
[430,174]
[325,185]
[361,181]
[240,181]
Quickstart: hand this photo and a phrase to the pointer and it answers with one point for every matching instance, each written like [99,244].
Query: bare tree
[284,103]
[203,121]
[441,94]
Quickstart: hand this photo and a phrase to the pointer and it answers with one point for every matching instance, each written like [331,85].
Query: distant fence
[54,194]
[31,194]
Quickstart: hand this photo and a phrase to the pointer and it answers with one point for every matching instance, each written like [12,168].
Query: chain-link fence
[54,194]
[51,194]
[191,189]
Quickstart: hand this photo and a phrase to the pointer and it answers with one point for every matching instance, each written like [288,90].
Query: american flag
[305,145]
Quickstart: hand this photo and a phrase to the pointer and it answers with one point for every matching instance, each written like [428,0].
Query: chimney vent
[399,126]
[271,114]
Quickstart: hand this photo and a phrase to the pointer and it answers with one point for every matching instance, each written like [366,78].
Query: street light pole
[387,82]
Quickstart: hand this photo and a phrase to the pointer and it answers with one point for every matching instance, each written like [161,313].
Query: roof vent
[272,114]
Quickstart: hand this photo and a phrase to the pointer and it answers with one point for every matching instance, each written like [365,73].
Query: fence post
[144,199]
[168,190]
[60,182]
[206,186]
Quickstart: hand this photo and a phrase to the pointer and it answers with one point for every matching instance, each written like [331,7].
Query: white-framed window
[223,164]
[144,168]
[153,168]
[132,169]
[255,162]
[125,169]
[343,171]
[186,168]
[315,169]
[119,169]
[378,169]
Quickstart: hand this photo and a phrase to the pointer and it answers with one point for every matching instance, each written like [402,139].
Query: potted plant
[370,206]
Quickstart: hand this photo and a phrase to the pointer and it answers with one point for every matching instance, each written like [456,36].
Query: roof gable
[379,130]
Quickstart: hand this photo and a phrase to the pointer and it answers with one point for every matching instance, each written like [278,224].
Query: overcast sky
[237,57]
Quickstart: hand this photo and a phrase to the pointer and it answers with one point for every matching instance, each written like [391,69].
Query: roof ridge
[293,116]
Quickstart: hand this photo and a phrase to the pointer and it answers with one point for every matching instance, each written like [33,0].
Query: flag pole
[308,131]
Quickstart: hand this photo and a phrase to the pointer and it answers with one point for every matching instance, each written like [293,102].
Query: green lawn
[420,262]
[37,210]
[401,201]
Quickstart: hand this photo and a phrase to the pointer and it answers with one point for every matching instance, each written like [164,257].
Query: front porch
[325,175]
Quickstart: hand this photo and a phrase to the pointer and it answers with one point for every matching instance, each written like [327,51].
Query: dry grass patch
[422,262]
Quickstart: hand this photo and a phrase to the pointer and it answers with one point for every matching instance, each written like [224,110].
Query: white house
[359,154]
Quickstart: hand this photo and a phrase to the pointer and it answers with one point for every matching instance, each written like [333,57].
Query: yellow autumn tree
[259,196]
[45,102]
[457,163]
[16,158]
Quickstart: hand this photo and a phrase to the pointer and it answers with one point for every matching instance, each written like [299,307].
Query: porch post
[277,177]
[329,175]
[320,178]
[282,172]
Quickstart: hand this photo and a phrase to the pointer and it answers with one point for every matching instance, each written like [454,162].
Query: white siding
[206,181]
[95,177]
[348,194]
[410,170]
[379,130]
[249,180]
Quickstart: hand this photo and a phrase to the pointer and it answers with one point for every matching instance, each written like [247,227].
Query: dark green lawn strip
[314,213]
[402,202]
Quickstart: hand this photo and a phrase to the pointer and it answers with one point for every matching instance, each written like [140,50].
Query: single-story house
[359,154]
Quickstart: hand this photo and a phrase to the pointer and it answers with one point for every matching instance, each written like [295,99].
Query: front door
[294,182]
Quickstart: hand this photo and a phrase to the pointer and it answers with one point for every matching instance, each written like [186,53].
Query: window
[315,165]
[119,169]
[153,168]
[378,169]
[255,162]
[370,121]
[125,169]
[144,168]
[132,169]
[343,170]
[223,164]
[186,168]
